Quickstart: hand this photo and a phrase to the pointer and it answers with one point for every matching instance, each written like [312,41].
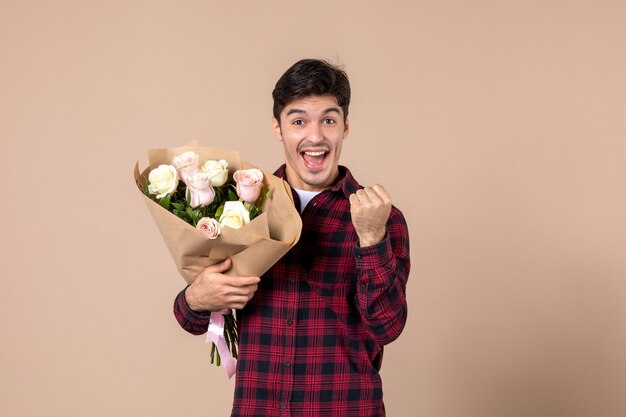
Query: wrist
[371,239]
[191,300]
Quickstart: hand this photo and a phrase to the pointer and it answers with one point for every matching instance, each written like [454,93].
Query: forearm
[382,276]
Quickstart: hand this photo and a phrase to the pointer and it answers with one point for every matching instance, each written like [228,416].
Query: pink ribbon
[215,334]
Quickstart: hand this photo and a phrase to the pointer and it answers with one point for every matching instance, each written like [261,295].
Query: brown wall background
[497,126]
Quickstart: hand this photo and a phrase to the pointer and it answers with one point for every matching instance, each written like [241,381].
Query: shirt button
[292,280]
[283,405]
[359,256]
[290,322]
[363,285]
[287,364]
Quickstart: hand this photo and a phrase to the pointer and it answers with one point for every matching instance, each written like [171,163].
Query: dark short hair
[311,77]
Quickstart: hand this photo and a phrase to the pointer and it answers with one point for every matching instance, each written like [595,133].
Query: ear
[346,129]
[276,128]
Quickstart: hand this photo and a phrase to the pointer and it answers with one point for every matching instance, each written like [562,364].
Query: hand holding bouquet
[209,205]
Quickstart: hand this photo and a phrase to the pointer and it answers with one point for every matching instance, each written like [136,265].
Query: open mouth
[314,159]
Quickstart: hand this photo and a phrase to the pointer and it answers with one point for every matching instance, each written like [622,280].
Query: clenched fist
[370,208]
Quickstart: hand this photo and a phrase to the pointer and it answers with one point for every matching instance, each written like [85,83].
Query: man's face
[312,130]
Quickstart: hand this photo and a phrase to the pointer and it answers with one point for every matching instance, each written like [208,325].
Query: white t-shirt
[305,197]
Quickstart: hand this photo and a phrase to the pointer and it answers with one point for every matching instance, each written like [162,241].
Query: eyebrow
[300,111]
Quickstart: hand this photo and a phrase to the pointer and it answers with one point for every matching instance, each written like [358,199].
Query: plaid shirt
[311,339]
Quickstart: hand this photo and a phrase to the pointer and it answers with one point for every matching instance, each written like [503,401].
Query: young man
[312,329]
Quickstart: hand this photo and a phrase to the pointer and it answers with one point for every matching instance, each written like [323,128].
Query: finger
[243,281]
[382,193]
[361,195]
[247,290]
[219,267]
[237,306]
[238,302]
[372,195]
[354,200]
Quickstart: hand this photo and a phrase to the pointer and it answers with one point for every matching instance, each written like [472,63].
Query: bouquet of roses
[203,196]
[210,205]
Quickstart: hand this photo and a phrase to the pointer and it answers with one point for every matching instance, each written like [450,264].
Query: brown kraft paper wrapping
[253,249]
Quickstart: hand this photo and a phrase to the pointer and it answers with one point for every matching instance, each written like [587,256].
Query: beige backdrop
[497,126]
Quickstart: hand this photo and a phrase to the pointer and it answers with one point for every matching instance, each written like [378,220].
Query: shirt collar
[345,181]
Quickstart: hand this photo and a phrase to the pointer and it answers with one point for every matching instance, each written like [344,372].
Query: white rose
[163,180]
[217,170]
[234,215]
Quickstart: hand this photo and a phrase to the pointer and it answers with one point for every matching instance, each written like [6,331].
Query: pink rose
[249,184]
[200,190]
[209,227]
[187,165]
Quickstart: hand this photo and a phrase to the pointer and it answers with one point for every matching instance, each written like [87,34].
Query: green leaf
[265,194]
[182,215]
[219,212]
[232,196]
[165,202]
[145,189]
[234,351]
[179,206]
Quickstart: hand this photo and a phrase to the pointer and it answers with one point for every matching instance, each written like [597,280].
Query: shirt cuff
[375,256]
[192,315]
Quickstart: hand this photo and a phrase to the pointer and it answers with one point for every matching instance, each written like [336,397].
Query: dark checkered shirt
[311,339]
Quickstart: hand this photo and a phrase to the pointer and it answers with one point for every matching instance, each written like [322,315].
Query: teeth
[315,153]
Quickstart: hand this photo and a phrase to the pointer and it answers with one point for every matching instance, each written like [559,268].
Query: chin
[318,180]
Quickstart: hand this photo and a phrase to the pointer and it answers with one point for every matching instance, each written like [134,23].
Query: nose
[315,133]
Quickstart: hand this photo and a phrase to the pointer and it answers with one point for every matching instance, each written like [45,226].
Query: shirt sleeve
[192,321]
[383,271]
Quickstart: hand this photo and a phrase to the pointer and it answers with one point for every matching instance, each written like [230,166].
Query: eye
[298,122]
[329,121]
